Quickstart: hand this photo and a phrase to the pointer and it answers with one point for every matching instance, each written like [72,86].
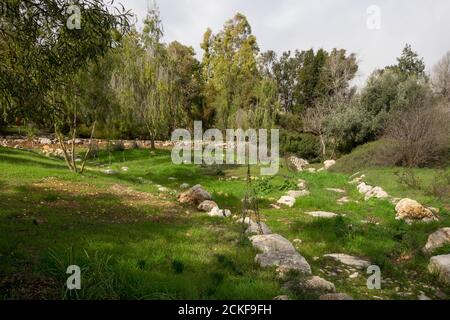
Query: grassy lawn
[134,242]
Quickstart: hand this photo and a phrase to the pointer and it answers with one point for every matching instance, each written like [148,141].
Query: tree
[441,77]
[41,55]
[409,63]
[230,69]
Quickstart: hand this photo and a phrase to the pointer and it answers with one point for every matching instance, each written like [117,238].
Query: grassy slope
[154,250]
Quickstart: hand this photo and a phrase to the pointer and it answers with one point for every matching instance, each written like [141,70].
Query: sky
[375,30]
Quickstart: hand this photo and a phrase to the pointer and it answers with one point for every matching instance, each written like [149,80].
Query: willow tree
[43,50]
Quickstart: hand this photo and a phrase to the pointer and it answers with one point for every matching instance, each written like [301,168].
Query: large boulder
[194,196]
[408,209]
[437,240]
[207,206]
[279,252]
[254,228]
[440,265]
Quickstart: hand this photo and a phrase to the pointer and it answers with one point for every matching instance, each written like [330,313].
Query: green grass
[143,245]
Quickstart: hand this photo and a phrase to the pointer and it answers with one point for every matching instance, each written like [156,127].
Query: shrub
[418,137]
[302,145]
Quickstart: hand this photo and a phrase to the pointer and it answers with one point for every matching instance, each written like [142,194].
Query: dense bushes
[303,145]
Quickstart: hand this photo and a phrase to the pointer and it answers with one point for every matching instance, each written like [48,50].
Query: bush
[116,146]
[302,145]
[418,137]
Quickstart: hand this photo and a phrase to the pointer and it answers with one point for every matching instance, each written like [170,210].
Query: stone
[274,206]
[349,260]
[207,206]
[163,189]
[124,169]
[298,193]
[358,180]
[287,260]
[408,209]
[194,196]
[281,298]
[440,265]
[423,297]
[354,275]
[364,188]
[45,141]
[217,212]
[311,170]
[298,163]
[255,228]
[376,192]
[279,252]
[336,190]
[335,297]
[287,201]
[184,186]
[328,164]
[436,240]
[319,284]
[343,200]
[322,214]
[302,184]
[109,172]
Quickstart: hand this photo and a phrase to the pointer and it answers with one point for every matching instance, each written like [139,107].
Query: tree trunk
[322,143]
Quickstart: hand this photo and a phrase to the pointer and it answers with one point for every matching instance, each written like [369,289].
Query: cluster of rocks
[406,209]
[291,196]
[201,198]
[439,265]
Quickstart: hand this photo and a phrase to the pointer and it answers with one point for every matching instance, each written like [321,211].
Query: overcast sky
[283,25]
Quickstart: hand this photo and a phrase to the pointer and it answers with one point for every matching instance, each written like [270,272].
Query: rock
[354,275]
[343,200]
[298,193]
[335,296]
[349,260]
[408,209]
[440,265]
[322,214]
[280,298]
[255,228]
[124,169]
[358,180]
[194,196]
[423,297]
[336,190]
[302,184]
[279,252]
[207,206]
[45,141]
[376,192]
[364,188]
[217,212]
[319,284]
[163,189]
[298,163]
[110,172]
[287,260]
[328,164]
[274,206]
[184,186]
[437,240]
[311,170]
[287,201]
